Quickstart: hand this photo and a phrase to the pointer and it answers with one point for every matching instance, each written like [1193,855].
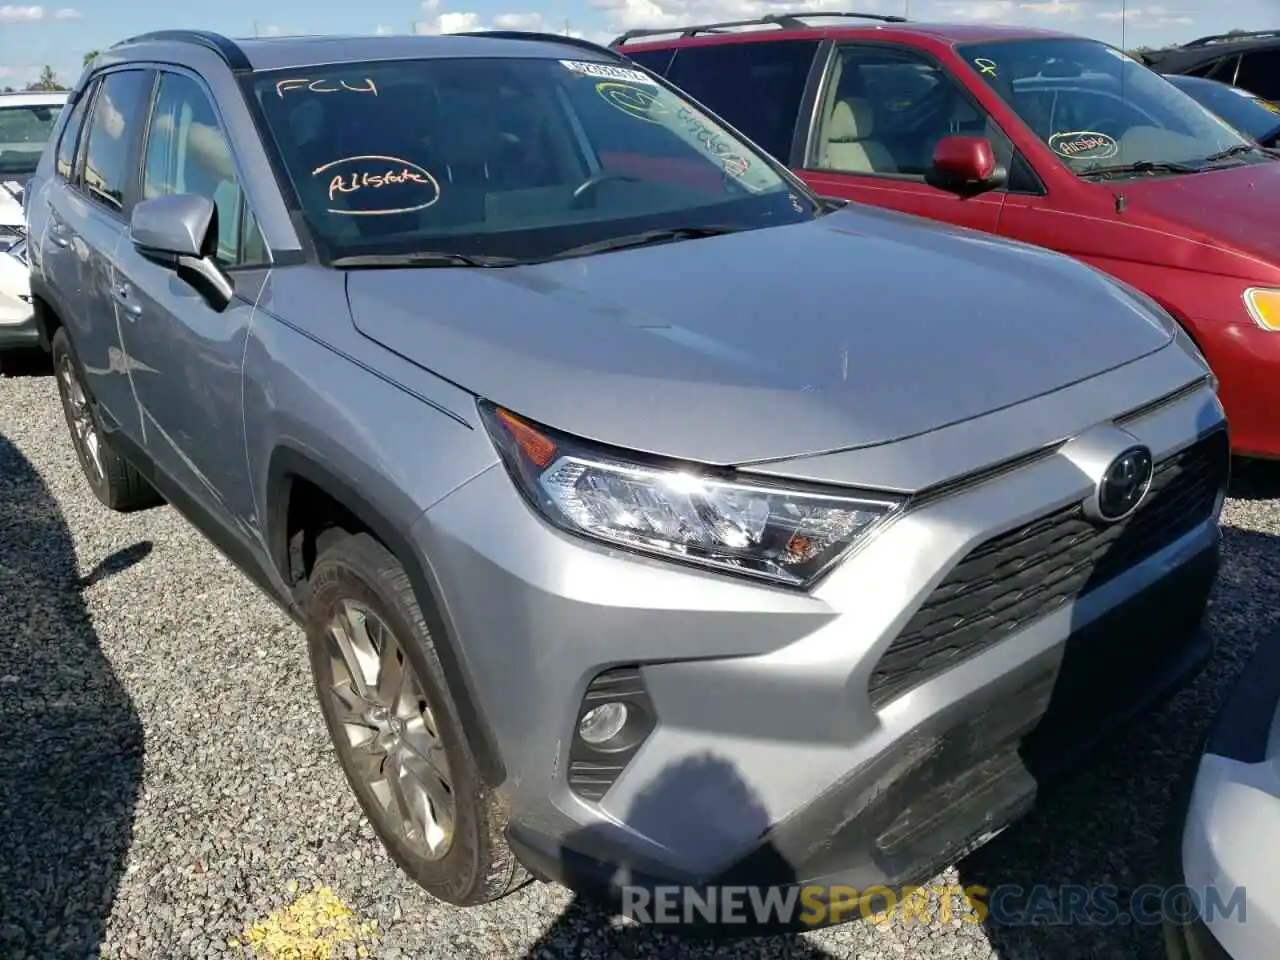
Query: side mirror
[965,165]
[179,231]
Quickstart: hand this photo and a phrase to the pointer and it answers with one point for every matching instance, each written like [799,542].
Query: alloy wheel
[84,432]
[390,734]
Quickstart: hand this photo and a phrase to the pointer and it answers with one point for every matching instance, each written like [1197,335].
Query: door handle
[57,233]
[120,294]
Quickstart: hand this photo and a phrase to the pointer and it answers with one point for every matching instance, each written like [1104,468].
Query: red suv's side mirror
[964,164]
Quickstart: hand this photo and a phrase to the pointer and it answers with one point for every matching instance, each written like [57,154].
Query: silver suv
[641,508]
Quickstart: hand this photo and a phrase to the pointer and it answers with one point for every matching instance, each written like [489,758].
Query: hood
[862,327]
[1238,207]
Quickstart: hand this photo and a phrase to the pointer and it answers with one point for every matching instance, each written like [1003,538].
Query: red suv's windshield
[1094,106]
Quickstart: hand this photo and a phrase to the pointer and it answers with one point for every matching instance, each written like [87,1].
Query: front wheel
[396,730]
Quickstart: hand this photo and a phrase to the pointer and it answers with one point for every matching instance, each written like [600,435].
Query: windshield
[23,133]
[1247,113]
[1094,106]
[519,158]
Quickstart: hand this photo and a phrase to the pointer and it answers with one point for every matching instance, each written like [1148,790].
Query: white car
[1229,825]
[26,122]
[17,319]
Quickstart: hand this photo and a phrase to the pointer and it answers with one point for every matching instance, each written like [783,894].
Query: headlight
[1264,306]
[684,513]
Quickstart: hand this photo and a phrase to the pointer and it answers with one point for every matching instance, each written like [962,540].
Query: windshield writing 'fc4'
[326,86]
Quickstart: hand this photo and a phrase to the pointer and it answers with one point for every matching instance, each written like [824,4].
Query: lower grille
[1020,576]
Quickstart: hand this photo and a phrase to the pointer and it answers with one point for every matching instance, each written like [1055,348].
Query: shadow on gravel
[25,363]
[1255,479]
[71,750]
[696,795]
[1111,827]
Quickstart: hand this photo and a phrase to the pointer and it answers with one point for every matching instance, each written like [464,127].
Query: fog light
[601,724]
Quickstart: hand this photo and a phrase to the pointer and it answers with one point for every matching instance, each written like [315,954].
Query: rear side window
[659,61]
[118,118]
[756,87]
[1205,69]
[71,135]
[1222,69]
[1260,73]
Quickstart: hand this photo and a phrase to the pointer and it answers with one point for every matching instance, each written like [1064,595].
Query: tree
[48,81]
[88,57]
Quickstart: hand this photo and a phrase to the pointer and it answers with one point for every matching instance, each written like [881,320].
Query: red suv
[1043,137]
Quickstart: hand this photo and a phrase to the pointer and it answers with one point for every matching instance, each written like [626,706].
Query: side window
[66,162]
[756,87]
[885,111]
[118,113]
[659,61]
[1260,73]
[1205,69]
[187,152]
[1224,70]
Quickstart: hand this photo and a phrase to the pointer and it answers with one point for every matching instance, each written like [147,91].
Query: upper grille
[1027,573]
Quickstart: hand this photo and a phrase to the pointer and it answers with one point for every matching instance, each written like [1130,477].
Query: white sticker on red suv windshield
[606,71]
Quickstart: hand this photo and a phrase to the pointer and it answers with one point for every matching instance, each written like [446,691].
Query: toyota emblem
[1122,487]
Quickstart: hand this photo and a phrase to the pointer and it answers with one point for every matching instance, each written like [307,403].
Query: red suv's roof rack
[787,21]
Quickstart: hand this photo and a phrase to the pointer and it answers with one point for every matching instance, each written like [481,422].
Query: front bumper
[1227,824]
[769,763]
[1246,359]
[967,773]
[18,326]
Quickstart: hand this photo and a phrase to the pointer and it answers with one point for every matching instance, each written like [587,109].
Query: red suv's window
[1260,73]
[756,87]
[886,109]
[1095,107]
[656,60]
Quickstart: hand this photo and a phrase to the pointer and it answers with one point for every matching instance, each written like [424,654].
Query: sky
[33,35]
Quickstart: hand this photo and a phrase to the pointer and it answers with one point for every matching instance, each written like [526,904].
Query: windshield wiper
[641,239]
[426,258]
[1237,150]
[1141,166]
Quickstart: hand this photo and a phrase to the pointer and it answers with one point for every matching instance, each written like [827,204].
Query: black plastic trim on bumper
[25,334]
[907,818]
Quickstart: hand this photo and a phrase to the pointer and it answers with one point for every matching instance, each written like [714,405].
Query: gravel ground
[167,790]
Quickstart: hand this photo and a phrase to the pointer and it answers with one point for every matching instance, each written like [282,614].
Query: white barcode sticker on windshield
[606,71]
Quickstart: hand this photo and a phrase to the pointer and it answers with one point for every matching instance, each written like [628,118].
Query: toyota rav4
[640,508]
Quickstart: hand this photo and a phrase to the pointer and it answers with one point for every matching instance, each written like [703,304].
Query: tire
[113,480]
[358,584]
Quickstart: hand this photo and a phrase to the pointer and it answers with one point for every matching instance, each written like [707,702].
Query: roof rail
[541,37]
[1232,37]
[787,21]
[224,47]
